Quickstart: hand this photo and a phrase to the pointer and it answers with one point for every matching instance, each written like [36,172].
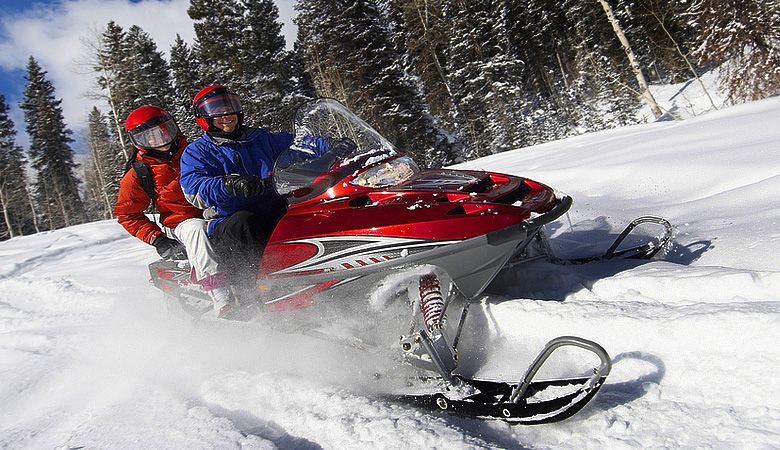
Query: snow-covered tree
[644,89]
[132,73]
[350,55]
[56,186]
[743,36]
[218,27]
[601,87]
[262,53]
[485,77]
[240,45]
[421,32]
[113,77]
[104,169]
[296,84]
[17,213]
[185,74]
[149,78]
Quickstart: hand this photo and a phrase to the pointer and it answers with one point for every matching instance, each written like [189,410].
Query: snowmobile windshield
[330,143]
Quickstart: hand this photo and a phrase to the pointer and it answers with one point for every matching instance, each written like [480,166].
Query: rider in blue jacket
[225,173]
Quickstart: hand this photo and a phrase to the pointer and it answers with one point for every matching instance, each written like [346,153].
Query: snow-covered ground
[90,357]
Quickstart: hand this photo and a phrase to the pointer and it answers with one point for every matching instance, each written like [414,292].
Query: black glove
[243,185]
[168,248]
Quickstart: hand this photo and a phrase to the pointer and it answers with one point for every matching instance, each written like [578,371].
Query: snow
[91,356]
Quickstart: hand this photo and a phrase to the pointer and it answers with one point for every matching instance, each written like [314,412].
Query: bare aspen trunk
[117,122]
[101,179]
[422,13]
[63,207]
[6,215]
[32,209]
[640,78]
[685,58]
[560,66]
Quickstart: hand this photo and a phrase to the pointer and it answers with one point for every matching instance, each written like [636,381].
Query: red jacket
[132,200]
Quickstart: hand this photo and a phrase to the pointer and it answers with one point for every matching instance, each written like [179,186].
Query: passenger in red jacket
[159,143]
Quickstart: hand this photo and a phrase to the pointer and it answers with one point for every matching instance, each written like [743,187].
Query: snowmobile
[362,217]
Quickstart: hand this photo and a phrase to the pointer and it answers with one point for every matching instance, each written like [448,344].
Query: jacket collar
[246,135]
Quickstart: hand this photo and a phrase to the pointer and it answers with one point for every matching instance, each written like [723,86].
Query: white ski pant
[192,233]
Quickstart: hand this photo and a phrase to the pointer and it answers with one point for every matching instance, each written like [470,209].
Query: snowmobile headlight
[388,173]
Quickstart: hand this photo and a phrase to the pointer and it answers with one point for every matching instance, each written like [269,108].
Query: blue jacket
[207,159]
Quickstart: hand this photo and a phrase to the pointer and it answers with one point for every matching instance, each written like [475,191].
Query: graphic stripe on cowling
[344,252]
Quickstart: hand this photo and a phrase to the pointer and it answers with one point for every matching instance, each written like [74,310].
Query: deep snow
[91,357]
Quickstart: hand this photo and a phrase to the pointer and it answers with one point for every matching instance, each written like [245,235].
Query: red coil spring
[431,302]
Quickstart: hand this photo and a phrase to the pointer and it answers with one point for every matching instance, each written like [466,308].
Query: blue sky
[12,80]
[57,33]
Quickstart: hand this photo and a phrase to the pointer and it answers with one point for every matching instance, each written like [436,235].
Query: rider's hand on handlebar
[244,185]
[168,248]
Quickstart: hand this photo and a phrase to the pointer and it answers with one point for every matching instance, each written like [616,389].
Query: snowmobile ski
[528,402]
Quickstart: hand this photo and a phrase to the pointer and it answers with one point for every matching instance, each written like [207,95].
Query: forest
[444,80]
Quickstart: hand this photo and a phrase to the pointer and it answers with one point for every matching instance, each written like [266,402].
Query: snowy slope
[90,356]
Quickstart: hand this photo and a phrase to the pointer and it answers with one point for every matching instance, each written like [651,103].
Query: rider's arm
[280,142]
[131,203]
[201,179]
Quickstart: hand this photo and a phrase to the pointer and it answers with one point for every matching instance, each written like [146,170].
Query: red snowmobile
[363,218]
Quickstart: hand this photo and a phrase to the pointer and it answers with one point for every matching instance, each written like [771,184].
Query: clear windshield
[330,142]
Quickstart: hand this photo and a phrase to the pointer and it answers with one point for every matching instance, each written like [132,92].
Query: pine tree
[538,36]
[420,29]
[218,27]
[17,215]
[351,57]
[113,77]
[131,72]
[56,186]
[659,35]
[150,80]
[296,84]
[241,46]
[262,53]
[185,72]
[602,83]
[104,170]
[743,37]
[485,76]
[644,89]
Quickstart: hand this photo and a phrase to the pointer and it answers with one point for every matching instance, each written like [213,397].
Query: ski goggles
[155,135]
[223,104]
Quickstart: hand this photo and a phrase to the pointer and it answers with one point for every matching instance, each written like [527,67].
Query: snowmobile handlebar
[600,372]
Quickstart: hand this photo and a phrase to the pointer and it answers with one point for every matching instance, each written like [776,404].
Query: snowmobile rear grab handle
[598,373]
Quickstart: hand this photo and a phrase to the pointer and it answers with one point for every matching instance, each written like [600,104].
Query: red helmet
[150,128]
[214,101]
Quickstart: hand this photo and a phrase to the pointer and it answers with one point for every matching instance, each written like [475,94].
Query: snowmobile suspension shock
[431,302]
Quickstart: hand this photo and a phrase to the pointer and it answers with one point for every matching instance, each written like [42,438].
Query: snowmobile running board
[516,403]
